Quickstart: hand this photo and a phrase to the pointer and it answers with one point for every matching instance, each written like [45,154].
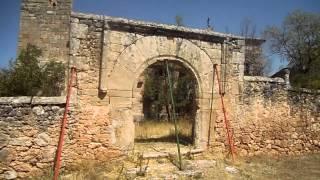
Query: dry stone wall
[273,119]
[110,54]
[29,129]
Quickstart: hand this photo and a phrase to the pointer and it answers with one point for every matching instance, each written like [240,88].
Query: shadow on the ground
[184,140]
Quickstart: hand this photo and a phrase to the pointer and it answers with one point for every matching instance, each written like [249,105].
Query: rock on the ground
[231,170]
[190,173]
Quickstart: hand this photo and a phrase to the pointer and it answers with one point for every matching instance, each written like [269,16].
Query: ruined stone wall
[29,133]
[46,24]
[110,54]
[29,129]
[273,119]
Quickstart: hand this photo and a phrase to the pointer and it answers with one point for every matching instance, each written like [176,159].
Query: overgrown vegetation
[26,77]
[156,96]
[158,123]
[298,41]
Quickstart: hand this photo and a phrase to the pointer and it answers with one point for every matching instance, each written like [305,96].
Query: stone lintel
[168,30]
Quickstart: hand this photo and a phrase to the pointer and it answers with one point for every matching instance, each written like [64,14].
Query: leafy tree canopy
[298,41]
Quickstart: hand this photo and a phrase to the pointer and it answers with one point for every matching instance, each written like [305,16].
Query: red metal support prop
[63,127]
[226,121]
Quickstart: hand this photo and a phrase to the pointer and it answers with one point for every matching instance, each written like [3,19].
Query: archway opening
[156,123]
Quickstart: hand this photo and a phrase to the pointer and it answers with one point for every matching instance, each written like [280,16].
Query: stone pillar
[104,59]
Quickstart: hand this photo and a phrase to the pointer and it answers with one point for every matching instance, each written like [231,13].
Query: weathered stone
[79,30]
[193,174]
[294,135]
[245,139]
[49,100]
[74,46]
[38,110]
[12,174]
[4,139]
[131,173]
[15,100]
[23,167]
[48,154]
[42,139]
[42,165]
[4,154]
[21,141]
[94,145]
[231,170]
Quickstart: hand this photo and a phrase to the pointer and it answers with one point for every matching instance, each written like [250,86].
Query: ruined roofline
[159,28]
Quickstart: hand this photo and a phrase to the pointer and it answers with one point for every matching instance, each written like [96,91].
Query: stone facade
[110,54]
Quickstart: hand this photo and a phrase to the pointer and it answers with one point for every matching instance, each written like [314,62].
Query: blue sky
[223,14]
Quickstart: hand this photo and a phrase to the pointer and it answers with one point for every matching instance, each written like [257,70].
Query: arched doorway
[153,118]
[125,73]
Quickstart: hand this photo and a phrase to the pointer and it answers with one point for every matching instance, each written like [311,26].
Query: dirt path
[203,167]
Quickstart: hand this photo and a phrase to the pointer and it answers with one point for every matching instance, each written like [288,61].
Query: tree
[297,40]
[25,76]
[156,95]
[179,20]
[255,60]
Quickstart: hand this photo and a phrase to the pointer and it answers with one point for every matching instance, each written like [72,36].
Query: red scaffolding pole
[57,163]
[226,121]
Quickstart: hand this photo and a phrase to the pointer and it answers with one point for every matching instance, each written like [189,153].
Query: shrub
[26,77]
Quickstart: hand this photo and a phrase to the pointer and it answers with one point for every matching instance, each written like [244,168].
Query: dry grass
[163,131]
[87,170]
[266,167]
[262,167]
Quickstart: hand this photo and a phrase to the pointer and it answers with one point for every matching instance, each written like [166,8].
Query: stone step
[155,155]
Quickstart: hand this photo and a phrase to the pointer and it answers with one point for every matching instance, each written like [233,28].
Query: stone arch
[185,63]
[146,51]
[150,47]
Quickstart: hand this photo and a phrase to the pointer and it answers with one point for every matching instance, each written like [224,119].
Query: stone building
[110,54]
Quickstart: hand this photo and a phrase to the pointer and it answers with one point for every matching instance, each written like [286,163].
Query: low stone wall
[29,133]
[29,129]
[270,119]
[273,119]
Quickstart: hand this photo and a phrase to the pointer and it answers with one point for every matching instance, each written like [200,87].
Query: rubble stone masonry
[274,119]
[110,54]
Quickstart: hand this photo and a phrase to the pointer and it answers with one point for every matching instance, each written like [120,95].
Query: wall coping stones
[16,100]
[33,100]
[280,81]
[264,79]
[304,90]
[165,29]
